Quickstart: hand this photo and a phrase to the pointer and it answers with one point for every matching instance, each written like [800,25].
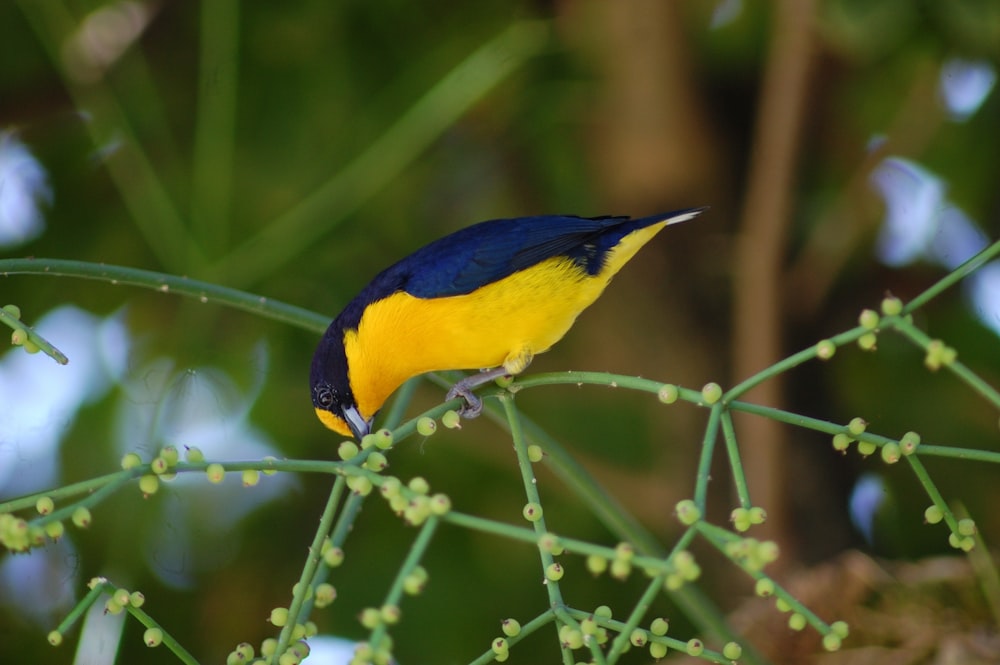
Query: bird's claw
[473,404]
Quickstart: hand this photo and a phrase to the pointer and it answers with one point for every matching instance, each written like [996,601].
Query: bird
[487,297]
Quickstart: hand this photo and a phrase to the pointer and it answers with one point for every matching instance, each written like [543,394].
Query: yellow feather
[504,323]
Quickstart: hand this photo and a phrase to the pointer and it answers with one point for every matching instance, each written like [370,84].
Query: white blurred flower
[24,186]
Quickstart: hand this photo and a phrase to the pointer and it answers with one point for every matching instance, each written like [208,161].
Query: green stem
[932,491]
[205,292]
[705,462]
[735,462]
[527,629]
[621,641]
[169,640]
[954,277]
[31,336]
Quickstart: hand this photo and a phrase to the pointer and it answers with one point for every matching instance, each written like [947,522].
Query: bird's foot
[464,389]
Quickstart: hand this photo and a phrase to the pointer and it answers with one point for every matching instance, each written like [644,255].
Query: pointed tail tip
[684,215]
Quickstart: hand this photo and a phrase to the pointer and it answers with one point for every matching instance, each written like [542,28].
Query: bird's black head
[330,388]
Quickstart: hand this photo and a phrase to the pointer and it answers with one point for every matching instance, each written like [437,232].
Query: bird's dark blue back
[484,253]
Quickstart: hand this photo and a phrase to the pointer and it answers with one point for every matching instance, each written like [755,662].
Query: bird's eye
[324,397]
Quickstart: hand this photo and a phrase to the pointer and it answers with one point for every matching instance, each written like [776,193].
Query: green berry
[370,618]
[668,394]
[866,448]
[857,426]
[451,419]
[909,442]
[659,626]
[596,564]
[732,651]
[549,542]
[892,306]
[510,627]
[54,530]
[215,472]
[149,484]
[711,393]
[796,621]
[270,460]
[638,638]
[376,462]
[45,505]
[891,453]
[840,629]
[758,515]
[740,517]
[825,349]
[347,450]
[136,599]
[250,477]
[687,512]
[695,647]
[868,342]
[426,426]
[81,517]
[159,466]
[153,637]
[383,439]
[589,626]
[831,642]
[111,606]
[13,311]
[782,605]
[440,504]
[122,597]
[419,485]
[621,569]
[268,647]
[130,461]
[657,650]
[170,455]
[532,512]
[360,485]
[535,453]
[554,572]
[416,581]
[966,527]
[841,442]
[868,319]
[603,612]
[333,557]
[18,337]
[324,595]
[368,441]
[279,616]
[55,638]
[624,551]
[499,646]
[30,346]
[193,454]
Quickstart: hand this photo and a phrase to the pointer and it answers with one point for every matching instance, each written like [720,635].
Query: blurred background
[846,148]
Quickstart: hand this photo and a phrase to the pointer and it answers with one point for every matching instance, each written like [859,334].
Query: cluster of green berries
[963,537]
[619,566]
[939,355]
[366,653]
[413,501]
[752,554]
[744,518]
[766,588]
[296,652]
[892,451]
[20,337]
[19,535]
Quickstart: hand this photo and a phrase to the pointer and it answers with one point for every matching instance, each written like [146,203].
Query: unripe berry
[510,627]
[841,442]
[268,647]
[554,572]
[170,455]
[732,651]
[451,419]
[368,441]
[440,504]
[966,527]
[857,426]
[825,349]
[136,599]
[45,505]
[55,638]
[892,306]
[122,597]
[638,638]
[596,564]
[250,477]
[153,637]
[796,621]
[621,569]
[193,454]
[535,453]
[866,448]
[659,626]
[909,442]
[740,517]
[370,618]
[758,515]
[18,337]
[426,426]
[840,628]
[130,461]
[54,530]
[532,512]
[81,517]
[111,606]
[347,450]
[279,616]
[419,485]
[668,394]
[695,647]
[687,512]
[891,453]
[383,439]
[390,614]
[149,484]
[159,466]
[603,612]
[333,557]
[831,642]
[270,460]
[868,319]
[360,485]
[376,462]
[13,311]
[657,650]
[216,473]
[499,646]
[324,594]
[868,342]
[711,393]
[416,581]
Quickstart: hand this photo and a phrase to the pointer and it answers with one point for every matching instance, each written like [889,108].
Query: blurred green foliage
[138,149]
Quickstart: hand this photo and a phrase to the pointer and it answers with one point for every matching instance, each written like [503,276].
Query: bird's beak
[359,426]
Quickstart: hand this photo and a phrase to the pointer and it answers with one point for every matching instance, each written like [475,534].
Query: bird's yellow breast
[502,323]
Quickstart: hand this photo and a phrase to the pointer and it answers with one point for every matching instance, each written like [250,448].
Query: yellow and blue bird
[492,295]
